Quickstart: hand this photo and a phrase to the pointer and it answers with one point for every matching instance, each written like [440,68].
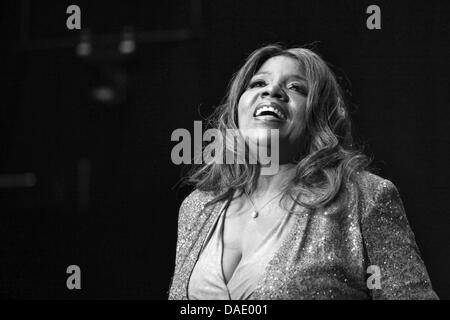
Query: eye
[300,88]
[257,83]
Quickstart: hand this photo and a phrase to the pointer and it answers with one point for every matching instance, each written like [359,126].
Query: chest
[243,232]
[244,235]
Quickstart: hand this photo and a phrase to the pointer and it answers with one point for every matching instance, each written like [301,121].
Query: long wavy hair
[328,158]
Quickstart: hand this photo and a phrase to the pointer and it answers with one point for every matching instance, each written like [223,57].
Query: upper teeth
[269,108]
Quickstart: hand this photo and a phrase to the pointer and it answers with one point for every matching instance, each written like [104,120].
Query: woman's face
[275,99]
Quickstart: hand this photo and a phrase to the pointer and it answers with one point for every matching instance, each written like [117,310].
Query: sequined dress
[327,253]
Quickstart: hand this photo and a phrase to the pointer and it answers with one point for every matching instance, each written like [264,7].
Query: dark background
[105,196]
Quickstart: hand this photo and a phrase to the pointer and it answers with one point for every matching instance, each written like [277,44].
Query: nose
[274,91]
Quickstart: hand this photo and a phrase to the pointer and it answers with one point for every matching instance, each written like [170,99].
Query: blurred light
[84,49]
[103,94]
[127,46]
[23,180]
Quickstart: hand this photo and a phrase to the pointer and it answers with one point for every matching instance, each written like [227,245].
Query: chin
[256,133]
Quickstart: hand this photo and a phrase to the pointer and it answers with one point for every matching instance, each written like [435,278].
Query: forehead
[281,65]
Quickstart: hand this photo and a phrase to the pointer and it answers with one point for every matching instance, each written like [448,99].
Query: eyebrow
[290,76]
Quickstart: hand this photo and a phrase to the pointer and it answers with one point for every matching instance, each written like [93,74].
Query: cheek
[240,113]
[299,114]
[244,108]
[247,99]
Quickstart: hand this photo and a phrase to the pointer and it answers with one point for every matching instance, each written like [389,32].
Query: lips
[270,111]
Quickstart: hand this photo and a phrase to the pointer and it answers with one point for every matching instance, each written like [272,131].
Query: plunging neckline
[244,258]
[221,214]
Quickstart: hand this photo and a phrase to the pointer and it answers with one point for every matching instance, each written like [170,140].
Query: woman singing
[321,227]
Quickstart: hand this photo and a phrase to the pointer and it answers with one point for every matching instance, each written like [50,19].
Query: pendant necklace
[256,211]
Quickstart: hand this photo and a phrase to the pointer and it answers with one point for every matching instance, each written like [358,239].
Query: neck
[268,184]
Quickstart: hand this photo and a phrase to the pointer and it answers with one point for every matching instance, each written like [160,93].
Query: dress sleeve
[188,213]
[181,232]
[390,245]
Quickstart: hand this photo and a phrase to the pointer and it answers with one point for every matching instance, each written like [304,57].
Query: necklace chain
[256,212]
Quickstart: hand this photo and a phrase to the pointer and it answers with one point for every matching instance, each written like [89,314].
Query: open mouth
[270,111]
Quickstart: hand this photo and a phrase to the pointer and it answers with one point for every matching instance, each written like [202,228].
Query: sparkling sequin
[327,252]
